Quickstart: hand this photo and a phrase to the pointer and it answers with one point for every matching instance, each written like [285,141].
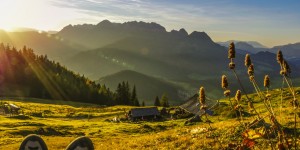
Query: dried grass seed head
[286,67]
[247,60]
[224,82]
[231,51]
[266,81]
[231,65]
[251,78]
[251,70]
[227,93]
[202,96]
[279,57]
[238,95]
[282,72]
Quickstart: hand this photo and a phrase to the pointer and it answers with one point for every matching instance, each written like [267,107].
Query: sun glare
[20,13]
[9,14]
[35,14]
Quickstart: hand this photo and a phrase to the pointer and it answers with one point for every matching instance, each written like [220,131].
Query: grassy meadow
[61,122]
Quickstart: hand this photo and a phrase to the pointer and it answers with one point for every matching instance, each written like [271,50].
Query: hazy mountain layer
[289,50]
[54,47]
[147,87]
[188,60]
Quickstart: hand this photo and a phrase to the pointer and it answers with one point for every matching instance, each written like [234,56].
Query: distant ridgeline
[25,74]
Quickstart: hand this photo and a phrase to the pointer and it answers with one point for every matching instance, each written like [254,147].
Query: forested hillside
[25,74]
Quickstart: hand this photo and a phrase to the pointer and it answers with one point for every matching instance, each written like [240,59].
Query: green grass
[61,122]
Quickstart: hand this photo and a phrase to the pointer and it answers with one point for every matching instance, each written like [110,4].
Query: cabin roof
[192,105]
[143,112]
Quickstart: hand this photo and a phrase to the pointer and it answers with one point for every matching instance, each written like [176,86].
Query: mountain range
[253,44]
[291,51]
[169,61]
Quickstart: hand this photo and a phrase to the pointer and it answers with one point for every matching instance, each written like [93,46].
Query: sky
[270,22]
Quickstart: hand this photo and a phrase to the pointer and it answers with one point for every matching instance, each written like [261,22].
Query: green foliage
[124,96]
[25,74]
[164,101]
[134,99]
[156,102]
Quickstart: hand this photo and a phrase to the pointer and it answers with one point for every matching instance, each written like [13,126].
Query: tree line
[25,74]
[163,101]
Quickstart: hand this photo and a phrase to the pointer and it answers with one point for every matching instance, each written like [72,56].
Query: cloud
[171,13]
[175,15]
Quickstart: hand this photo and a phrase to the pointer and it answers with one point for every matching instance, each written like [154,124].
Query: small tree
[164,101]
[143,103]
[134,99]
[156,102]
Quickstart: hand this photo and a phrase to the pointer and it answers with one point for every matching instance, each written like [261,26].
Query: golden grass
[65,122]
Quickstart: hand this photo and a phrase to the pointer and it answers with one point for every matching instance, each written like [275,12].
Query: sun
[36,14]
[9,14]
[20,13]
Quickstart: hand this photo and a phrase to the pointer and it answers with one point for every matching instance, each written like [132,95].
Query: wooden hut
[145,113]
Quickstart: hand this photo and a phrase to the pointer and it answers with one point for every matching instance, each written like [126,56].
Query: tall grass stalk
[238,98]
[261,96]
[281,97]
[285,72]
[269,108]
[203,107]
[250,102]
[224,85]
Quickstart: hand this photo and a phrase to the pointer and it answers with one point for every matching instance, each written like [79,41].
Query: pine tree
[119,94]
[156,102]
[103,90]
[126,93]
[164,101]
[143,103]
[134,99]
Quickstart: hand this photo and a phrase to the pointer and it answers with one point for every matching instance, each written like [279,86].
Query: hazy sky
[271,22]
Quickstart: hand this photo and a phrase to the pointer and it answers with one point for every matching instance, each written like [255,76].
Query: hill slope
[55,47]
[25,74]
[147,87]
